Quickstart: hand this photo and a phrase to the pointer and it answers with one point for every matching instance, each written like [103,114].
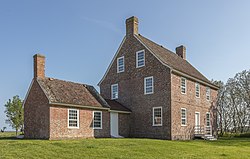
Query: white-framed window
[208,93]
[183,85]
[157,116]
[183,117]
[97,119]
[140,58]
[120,64]
[197,90]
[208,119]
[114,91]
[149,85]
[73,118]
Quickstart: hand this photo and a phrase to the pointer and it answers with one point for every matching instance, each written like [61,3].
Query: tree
[233,103]
[14,113]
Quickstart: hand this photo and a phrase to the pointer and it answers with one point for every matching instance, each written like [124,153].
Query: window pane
[208,93]
[148,85]
[208,119]
[120,64]
[183,117]
[157,116]
[114,91]
[140,59]
[197,90]
[97,120]
[183,85]
[73,118]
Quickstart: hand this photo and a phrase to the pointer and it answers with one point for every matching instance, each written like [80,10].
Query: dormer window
[140,58]
[120,64]
[197,90]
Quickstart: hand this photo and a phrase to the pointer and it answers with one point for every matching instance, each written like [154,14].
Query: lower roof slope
[114,105]
[65,92]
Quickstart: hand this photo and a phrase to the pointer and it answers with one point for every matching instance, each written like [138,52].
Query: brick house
[57,109]
[167,96]
[147,91]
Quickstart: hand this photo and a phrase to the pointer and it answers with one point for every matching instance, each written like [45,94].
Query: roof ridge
[51,79]
[160,46]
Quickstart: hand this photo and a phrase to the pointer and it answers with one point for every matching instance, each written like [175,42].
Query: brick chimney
[181,51]
[131,26]
[39,66]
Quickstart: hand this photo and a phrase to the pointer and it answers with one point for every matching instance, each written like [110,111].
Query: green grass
[123,148]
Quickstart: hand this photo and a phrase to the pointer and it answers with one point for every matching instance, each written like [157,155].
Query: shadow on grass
[8,138]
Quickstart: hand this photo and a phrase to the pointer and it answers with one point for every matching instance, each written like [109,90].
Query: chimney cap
[39,55]
[132,18]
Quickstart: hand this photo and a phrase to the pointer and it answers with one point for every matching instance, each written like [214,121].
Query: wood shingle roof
[65,92]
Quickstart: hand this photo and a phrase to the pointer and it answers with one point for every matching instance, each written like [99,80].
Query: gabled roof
[116,106]
[64,92]
[171,59]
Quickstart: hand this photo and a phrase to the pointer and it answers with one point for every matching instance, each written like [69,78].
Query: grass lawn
[123,148]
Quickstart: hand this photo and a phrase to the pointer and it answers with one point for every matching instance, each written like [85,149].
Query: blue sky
[79,38]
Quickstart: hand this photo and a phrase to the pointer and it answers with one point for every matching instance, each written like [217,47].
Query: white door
[114,125]
[197,122]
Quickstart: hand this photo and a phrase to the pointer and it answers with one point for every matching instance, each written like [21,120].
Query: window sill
[148,93]
[73,127]
[157,125]
[97,128]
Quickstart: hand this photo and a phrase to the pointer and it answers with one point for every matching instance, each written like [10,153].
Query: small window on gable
[183,116]
[73,118]
[114,91]
[183,85]
[140,58]
[120,64]
[157,116]
[197,90]
[149,85]
[97,121]
[208,93]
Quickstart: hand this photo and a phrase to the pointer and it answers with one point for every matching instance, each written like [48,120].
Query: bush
[227,134]
[244,135]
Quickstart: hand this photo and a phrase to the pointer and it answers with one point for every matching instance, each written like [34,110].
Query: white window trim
[113,90]
[199,89]
[145,85]
[118,64]
[154,116]
[137,58]
[185,85]
[208,95]
[94,119]
[185,117]
[71,127]
[199,118]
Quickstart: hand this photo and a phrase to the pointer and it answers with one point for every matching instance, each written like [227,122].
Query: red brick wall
[192,104]
[36,114]
[124,125]
[59,124]
[131,90]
